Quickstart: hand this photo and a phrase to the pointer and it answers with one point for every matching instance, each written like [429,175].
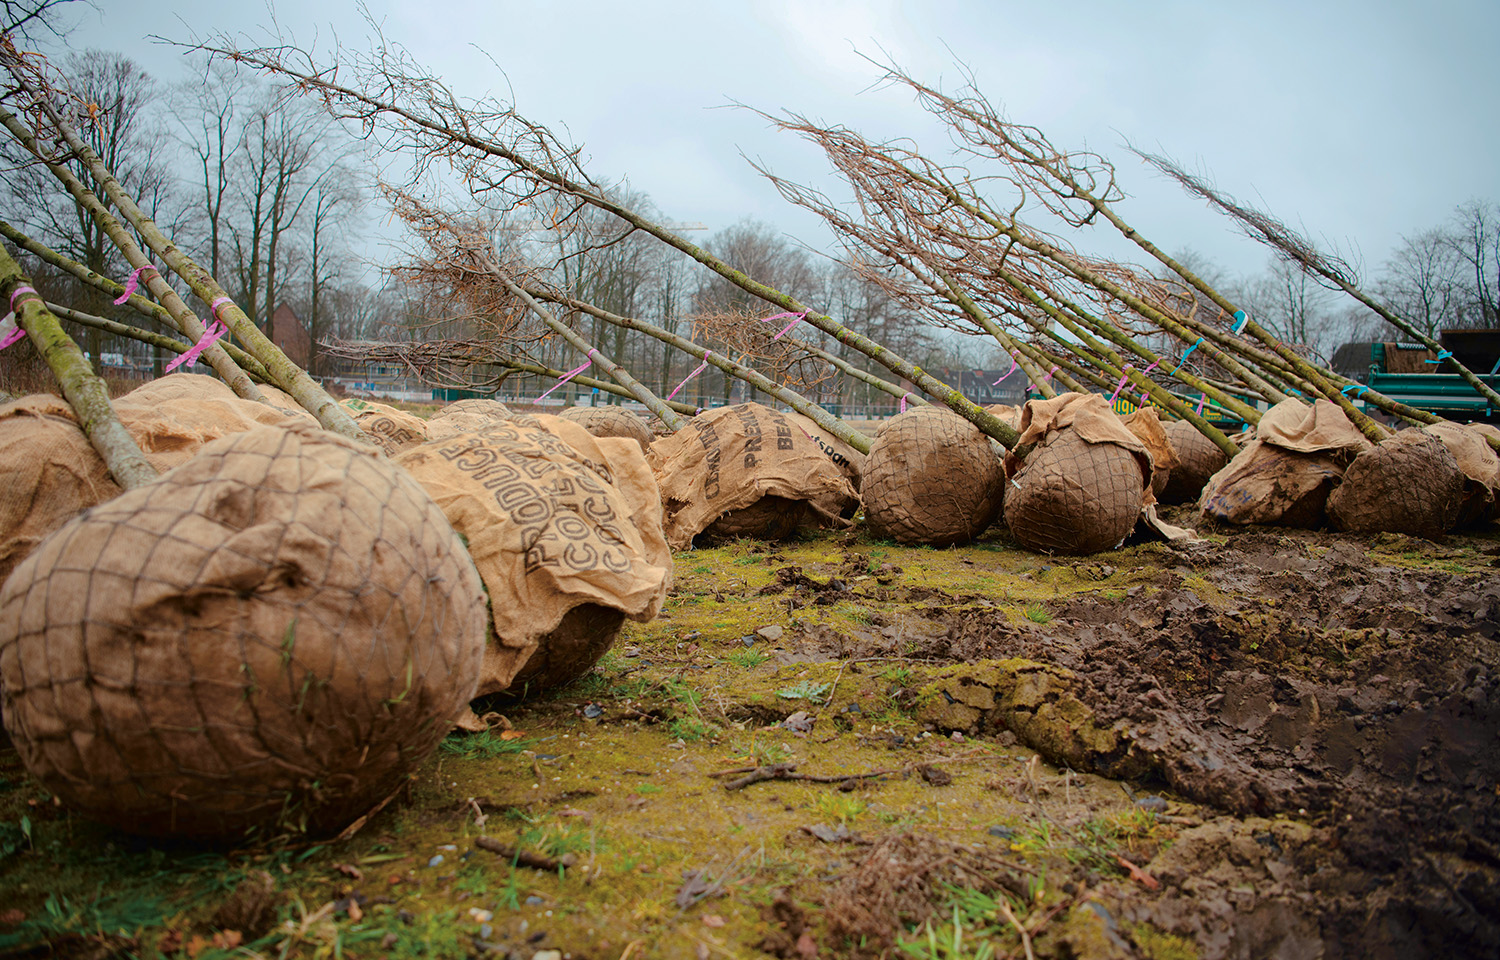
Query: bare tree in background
[1477,244]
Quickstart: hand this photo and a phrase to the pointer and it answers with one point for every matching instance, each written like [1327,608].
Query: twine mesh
[477,406]
[272,635]
[1198,458]
[931,477]
[1075,497]
[611,422]
[1409,483]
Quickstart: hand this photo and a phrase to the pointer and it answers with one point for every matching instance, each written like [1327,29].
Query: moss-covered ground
[708,790]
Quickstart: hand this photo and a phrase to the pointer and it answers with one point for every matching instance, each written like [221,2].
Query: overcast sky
[1360,121]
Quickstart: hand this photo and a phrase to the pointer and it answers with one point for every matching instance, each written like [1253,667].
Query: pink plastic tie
[903,401]
[1013,364]
[210,337]
[20,290]
[132,281]
[1124,376]
[564,379]
[1202,397]
[214,307]
[701,367]
[796,318]
[1050,373]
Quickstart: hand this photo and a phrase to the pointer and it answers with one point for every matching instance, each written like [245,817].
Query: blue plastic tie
[1185,356]
[1442,355]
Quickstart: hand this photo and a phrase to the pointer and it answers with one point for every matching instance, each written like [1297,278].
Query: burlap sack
[49,474]
[611,422]
[851,462]
[171,421]
[1285,474]
[274,634]
[286,403]
[1408,483]
[392,430]
[727,459]
[931,478]
[1148,429]
[447,426]
[1083,486]
[1198,458]
[1480,465]
[553,526]
[1010,414]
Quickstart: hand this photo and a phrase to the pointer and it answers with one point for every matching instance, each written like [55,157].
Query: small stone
[956,737]
[435,860]
[448,846]
[534,901]
[481,916]
[1004,833]
[593,711]
[485,930]
[1152,804]
[771,633]
[547,955]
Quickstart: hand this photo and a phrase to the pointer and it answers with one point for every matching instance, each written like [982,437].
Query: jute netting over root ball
[1081,490]
[1198,458]
[272,635]
[1409,483]
[931,477]
[611,422]
[390,429]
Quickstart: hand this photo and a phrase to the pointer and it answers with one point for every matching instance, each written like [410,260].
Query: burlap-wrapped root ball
[611,422]
[477,406]
[49,474]
[1408,483]
[931,478]
[715,472]
[1198,458]
[390,429]
[1480,465]
[272,635]
[851,462]
[1148,429]
[1082,487]
[1285,474]
[566,531]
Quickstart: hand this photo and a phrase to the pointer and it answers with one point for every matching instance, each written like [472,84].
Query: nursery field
[1265,742]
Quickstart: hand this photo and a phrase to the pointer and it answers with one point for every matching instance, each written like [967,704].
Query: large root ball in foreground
[272,635]
[1198,458]
[611,422]
[931,478]
[1075,497]
[1409,483]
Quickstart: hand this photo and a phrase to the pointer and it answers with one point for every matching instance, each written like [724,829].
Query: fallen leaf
[713,920]
[1137,874]
[512,734]
[355,913]
[828,833]
[195,946]
[228,939]
[11,917]
[349,870]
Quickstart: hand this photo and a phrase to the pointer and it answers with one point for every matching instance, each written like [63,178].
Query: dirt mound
[931,478]
[611,421]
[728,459]
[1198,459]
[1409,483]
[273,634]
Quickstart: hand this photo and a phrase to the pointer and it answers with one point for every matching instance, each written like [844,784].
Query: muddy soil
[1280,672]
[1268,743]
